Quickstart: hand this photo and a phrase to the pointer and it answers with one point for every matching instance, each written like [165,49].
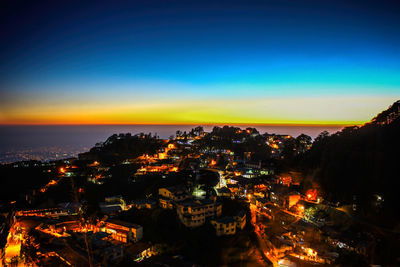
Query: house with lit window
[224,226]
[168,196]
[224,192]
[145,204]
[166,203]
[174,193]
[123,231]
[139,251]
[195,213]
[230,224]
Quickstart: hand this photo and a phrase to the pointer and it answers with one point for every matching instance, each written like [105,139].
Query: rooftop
[225,220]
[123,223]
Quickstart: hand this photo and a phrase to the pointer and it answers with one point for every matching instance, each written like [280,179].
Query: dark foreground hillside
[361,166]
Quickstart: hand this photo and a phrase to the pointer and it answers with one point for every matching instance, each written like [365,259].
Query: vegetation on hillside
[359,165]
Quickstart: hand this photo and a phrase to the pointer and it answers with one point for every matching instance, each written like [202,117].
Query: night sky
[188,62]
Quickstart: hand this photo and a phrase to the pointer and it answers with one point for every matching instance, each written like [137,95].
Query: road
[265,245]
[13,246]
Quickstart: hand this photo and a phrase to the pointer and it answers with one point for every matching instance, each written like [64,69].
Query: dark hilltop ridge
[360,165]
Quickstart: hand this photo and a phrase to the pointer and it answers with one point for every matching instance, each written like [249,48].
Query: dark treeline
[359,165]
[238,141]
[250,140]
[119,147]
[16,182]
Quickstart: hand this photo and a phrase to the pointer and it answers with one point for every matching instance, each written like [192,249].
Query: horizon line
[190,124]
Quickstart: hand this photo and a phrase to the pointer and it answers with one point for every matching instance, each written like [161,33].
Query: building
[224,192]
[170,195]
[140,251]
[71,225]
[285,180]
[234,188]
[240,219]
[108,208]
[279,194]
[145,204]
[293,199]
[224,226]
[50,212]
[261,202]
[123,231]
[259,194]
[174,193]
[195,213]
[166,203]
[116,200]
[113,205]
[230,224]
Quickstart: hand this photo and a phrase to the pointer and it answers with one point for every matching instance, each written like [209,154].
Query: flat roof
[123,223]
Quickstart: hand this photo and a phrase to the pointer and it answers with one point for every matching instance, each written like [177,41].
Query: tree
[208,180]
[322,136]
[198,130]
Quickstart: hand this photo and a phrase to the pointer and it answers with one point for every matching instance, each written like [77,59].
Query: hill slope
[361,165]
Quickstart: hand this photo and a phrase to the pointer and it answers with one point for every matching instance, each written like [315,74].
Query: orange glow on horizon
[291,111]
[93,123]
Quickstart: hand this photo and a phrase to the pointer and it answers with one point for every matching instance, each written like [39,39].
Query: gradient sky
[198,62]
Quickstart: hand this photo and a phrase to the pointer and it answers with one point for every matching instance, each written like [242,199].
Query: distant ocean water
[61,141]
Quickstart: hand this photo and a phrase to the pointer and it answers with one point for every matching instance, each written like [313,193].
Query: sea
[46,143]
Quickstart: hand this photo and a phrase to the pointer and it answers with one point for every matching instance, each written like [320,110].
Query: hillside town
[235,193]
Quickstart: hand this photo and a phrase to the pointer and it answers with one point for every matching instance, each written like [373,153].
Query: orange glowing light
[260,186]
[312,194]
[62,170]
[293,199]
[300,209]
[275,146]
[286,180]
[311,253]
[171,146]
[174,169]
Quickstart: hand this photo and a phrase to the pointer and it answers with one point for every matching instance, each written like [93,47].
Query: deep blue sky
[183,51]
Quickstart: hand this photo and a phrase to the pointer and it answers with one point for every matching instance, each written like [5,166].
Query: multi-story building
[171,195]
[224,192]
[145,204]
[229,225]
[195,213]
[123,231]
[224,226]
[166,203]
[50,212]
[174,193]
